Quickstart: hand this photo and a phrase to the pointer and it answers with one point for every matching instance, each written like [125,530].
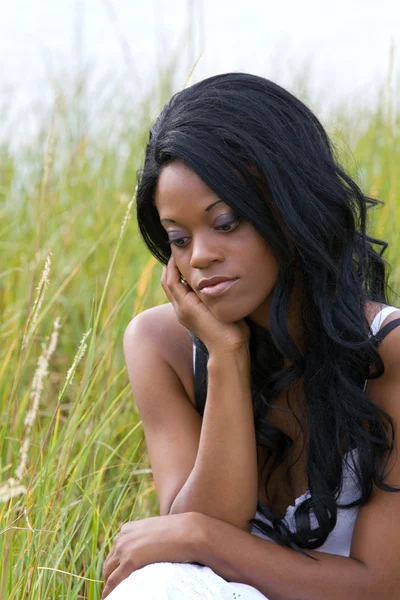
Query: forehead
[179,186]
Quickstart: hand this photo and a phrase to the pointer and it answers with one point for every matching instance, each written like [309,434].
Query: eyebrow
[206,210]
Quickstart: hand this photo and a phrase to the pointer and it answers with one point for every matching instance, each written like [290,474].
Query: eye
[226,227]
[229,225]
[176,242]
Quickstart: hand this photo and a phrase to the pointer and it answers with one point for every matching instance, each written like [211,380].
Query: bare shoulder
[389,350]
[161,327]
[390,346]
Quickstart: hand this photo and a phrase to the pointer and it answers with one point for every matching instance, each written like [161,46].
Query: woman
[273,458]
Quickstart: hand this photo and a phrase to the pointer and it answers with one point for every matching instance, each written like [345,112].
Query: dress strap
[197,380]
[382,333]
[380,317]
[200,359]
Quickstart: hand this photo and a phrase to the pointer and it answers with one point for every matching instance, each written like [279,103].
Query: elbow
[170,508]
[176,506]
[185,501]
[235,520]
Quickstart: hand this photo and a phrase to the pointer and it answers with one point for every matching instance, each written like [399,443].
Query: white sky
[347,41]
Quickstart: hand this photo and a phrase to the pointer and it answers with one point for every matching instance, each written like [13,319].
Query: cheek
[261,275]
[269,267]
[261,261]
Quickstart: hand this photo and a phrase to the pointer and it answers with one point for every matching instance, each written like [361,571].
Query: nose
[204,252]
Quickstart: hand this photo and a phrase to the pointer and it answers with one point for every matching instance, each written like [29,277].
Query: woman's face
[210,241]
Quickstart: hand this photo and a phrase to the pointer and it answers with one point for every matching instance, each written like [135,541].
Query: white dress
[187,581]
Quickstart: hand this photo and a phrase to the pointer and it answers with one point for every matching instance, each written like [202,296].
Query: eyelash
[234,222]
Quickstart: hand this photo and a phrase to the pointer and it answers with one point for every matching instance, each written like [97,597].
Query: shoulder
[373,308]
[389,348]
[389,351]
[158,328]
[375,541]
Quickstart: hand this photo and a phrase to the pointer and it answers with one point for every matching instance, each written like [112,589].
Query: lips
[213,281]
[218,288]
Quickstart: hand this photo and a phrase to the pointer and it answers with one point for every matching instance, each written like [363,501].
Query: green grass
[67,191]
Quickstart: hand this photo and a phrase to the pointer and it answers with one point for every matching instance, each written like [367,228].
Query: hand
[198,318]
[158,539]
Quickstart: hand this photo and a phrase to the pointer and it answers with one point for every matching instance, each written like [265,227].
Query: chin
[228,314]
[256,311]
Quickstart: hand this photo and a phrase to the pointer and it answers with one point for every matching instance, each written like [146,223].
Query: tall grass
[74,272]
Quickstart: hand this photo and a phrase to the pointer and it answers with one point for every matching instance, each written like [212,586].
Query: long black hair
[264,153]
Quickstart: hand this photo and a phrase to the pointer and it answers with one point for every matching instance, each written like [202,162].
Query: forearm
[282,573]
[224,480]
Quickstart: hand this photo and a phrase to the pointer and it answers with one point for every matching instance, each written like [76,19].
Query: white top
[339,540]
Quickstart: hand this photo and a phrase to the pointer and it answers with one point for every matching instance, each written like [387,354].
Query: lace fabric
[181,581]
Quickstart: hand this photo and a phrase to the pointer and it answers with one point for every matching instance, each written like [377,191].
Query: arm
[172,425]
[224,481]
[282,573]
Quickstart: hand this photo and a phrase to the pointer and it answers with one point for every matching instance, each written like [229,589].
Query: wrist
[211,538]
[221,348]
[229,361]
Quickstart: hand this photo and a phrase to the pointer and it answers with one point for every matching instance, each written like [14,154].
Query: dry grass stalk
[43,284]
[77,358]
[13,487]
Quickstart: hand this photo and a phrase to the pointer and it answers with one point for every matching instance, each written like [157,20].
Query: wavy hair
[264,153]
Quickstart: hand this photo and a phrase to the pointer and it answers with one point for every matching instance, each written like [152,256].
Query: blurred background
[80,84]
[342,47]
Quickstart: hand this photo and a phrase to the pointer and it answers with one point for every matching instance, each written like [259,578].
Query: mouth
[218,288]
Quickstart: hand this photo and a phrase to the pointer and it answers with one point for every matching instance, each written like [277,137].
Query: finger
[173,271]
[128,527]
[174,281]
[108,557]
[177,277]
[121,573]
[165,287]
[111,563]
[171,283]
